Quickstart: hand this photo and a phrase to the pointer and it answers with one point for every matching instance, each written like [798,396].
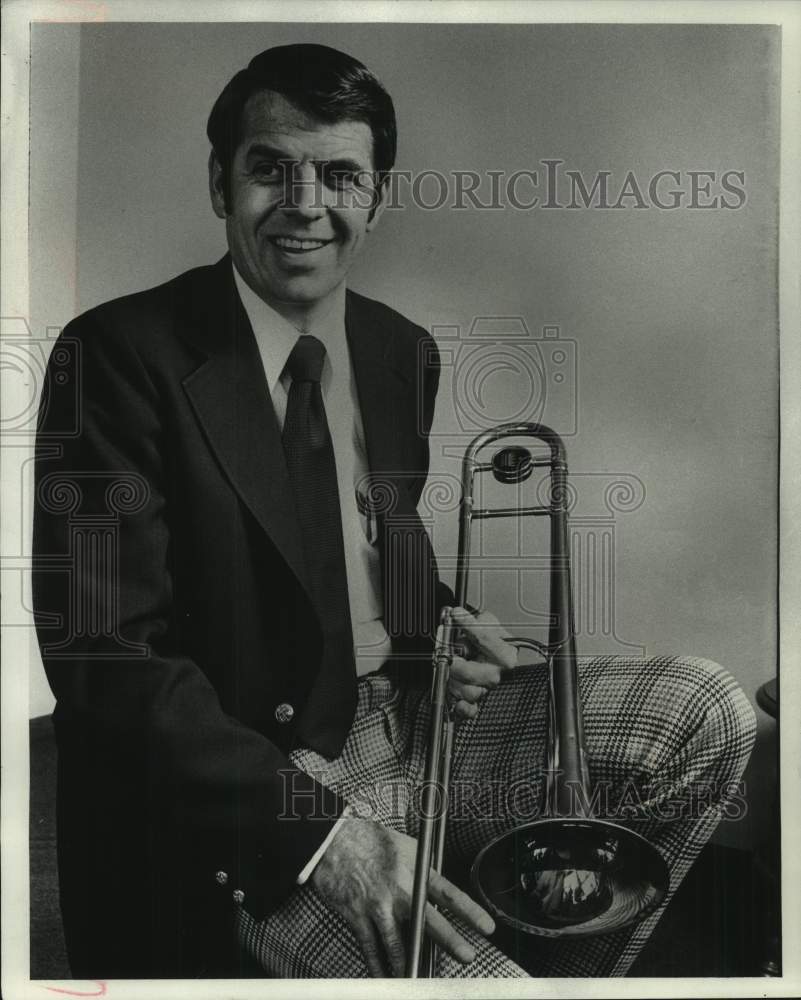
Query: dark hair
[323,82]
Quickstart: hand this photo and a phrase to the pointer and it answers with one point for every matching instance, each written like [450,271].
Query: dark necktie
[328,714]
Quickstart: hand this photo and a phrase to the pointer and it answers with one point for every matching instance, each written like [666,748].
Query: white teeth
[290,244]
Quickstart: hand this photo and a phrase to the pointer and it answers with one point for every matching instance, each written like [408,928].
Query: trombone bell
[569,877]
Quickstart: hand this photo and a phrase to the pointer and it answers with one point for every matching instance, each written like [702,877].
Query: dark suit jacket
[173,611]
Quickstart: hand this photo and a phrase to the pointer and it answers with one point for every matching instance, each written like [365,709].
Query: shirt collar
[276,336]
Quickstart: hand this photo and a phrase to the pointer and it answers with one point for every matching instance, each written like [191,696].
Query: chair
[48,951]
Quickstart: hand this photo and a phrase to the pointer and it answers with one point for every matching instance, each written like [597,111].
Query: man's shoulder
[157,306]
[160,330]
[384,318]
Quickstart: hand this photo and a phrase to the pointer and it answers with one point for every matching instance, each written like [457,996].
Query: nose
[304,192]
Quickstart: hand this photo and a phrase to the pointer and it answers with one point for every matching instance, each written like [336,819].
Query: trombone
[568,874]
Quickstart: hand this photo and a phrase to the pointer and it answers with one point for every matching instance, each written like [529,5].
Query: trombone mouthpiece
[512,465]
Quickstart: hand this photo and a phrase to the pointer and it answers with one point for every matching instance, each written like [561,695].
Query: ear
[379,204]
[216,192]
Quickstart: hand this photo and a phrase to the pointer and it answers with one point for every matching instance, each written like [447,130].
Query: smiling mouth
[292,245]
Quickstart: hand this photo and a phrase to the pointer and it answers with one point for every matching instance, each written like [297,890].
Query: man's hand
[367,874]
[486,658]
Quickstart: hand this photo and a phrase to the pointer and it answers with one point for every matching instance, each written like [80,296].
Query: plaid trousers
[668,739]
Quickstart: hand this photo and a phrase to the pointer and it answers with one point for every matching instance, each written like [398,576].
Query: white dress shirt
[275,338]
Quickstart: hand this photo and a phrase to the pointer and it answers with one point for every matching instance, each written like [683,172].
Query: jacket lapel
[232,402]
[383,390]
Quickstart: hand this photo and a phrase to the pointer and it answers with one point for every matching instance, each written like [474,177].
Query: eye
[268,172]
[338,177]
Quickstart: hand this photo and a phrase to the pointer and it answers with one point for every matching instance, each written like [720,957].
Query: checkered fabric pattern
[667,739]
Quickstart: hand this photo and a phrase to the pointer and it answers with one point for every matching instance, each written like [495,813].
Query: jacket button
[221,877]
[238,896]
[284,712]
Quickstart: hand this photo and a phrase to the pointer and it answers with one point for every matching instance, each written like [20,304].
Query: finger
[472,693]
[368,942]
[465,710]
[392,941]
[492,647]
[485,623]
[463,617]
[477,672]
[462,614]
[445,893]
[461,643]
[447,937]
[486,637]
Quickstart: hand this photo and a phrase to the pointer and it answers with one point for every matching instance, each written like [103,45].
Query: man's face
[300,203]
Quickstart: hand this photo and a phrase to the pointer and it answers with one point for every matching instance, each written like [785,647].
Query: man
[239,642]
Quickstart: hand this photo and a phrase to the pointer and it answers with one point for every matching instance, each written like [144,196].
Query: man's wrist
[315,859]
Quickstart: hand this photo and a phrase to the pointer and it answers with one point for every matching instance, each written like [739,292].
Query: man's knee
[721,712]
[665,720]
